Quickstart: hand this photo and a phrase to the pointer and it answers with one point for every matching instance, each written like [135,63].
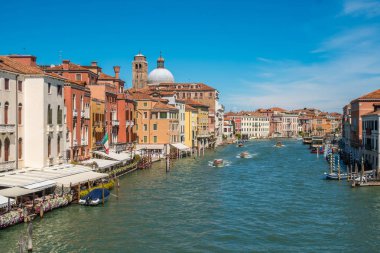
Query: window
[201,95]
[145,115]
[58,145]
[154,126]
[163,115]
[49,146]
[59,90]
[59,115]
[145,104]
[19,86]
[49,88]
[1,148]
[78,77]
[50,115]
[155,139]
[6,108]
[6,84]
[145,139]
[7,144]
[145,127]
[19,148]
[19,114]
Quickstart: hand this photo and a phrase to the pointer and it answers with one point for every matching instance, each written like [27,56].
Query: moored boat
[95,197]
[336,176]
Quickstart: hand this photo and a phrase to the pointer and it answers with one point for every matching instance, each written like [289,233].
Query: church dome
[160,75]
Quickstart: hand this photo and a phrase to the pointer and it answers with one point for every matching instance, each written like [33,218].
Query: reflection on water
[275,201]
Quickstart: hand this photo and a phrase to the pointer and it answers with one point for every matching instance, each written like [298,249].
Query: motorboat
[244,154]
[336,176]
[95,197]
[218,163]
[240,145]
[279,144]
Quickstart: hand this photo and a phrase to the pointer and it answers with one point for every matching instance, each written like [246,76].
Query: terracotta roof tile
[8,64]
[372,95]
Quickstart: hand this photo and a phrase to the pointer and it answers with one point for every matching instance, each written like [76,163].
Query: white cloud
[328,84]
[368,8]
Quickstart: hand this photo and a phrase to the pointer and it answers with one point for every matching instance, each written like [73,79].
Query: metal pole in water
[102,193]
[338,168]
[30,233]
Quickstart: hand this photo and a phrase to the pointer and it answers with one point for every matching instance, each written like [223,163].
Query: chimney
[117,71]
[94,64]
[65,64]
[29,60]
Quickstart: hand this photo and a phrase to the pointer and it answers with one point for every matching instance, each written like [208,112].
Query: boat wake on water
[218,163]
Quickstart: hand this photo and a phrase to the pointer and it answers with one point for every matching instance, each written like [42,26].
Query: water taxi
[218,163]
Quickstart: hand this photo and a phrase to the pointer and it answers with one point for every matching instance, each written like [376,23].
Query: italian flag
[105,143]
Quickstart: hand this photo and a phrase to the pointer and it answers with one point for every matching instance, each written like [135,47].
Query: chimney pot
[94,63]
[117,71]
[65,64]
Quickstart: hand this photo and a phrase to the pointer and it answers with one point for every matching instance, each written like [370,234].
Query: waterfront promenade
[277,201]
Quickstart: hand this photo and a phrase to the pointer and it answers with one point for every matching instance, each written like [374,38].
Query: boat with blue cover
[95,197]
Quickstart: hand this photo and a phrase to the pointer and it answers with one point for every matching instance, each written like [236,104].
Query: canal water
[276,201]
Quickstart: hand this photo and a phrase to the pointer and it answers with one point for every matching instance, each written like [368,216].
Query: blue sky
[315,53]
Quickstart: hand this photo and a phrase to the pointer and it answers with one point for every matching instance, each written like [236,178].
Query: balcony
[75,113]
[50,128]
[5,166]
[7,128]
[87,113]
[129,123]
[115,123]
[60,128]
[84,142]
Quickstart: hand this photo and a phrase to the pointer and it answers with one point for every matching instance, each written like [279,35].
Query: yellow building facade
[156,122]
[97,123]
[191,124]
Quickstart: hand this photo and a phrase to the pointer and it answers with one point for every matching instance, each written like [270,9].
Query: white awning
[114,156]
[102,163]
[4,201]
[80,178]
[41,185]
[181,146]
[150,146]
[14,192]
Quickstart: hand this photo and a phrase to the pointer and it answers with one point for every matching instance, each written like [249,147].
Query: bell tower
[139,71]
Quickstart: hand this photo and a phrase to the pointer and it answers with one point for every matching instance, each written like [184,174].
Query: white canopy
[102,163]
[181,146]
[80,178]
[14,192]
[41,185]
[114,156]
[4,201]
[150,146]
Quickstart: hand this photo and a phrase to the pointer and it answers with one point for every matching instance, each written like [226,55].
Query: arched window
[140,66]
[20,114]
[7,144]
[136,66]
[59,115]
[58,145]
[6,108]
[49,146]
[19,148]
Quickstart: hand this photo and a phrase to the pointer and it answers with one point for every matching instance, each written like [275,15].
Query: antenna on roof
[60,55]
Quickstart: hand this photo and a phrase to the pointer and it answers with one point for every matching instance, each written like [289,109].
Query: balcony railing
[50,128]
[115,122]
[59,128]
[129,123]
[75,113]
[87,113]
[5,166]
[7,128]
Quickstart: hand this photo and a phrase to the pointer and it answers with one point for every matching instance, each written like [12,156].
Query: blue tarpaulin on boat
[97,194]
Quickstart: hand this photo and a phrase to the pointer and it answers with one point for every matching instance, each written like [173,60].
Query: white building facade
[254,126]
